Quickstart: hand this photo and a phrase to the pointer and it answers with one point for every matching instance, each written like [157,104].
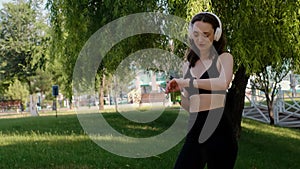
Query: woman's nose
[202,39]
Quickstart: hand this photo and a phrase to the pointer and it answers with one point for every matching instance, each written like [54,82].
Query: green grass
[262,146]
[59,143]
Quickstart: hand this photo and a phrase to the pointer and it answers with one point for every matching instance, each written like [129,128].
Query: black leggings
[218,152]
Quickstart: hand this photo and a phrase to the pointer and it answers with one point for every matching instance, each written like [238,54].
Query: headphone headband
[218,31]
[218,19]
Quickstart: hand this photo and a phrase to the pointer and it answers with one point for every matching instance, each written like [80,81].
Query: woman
[207,75]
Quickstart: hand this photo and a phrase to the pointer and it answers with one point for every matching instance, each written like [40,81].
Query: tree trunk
[235,100]
[270,106]
[270,111]
[32,103]
[271,115]
[70,103]
[30,87]
[115,94]
[101,93]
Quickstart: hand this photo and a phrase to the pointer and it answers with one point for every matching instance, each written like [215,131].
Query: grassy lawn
[59,143]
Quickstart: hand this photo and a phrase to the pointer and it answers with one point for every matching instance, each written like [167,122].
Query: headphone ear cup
[218,34]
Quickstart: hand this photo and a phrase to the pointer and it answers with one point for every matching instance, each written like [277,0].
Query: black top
[224,131]
[211,72]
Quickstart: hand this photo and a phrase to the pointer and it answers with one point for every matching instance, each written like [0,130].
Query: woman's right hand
[172,86]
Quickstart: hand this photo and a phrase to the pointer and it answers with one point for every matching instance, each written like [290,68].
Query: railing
[257,109]
[287,113]
[286,109]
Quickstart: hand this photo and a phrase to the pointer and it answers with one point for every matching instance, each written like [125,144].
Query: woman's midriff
[202,102]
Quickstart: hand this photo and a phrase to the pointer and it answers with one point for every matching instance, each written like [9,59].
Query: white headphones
[218,31]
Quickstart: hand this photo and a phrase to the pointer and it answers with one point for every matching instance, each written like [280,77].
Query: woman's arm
[185,103]
[224,65]
[172,86]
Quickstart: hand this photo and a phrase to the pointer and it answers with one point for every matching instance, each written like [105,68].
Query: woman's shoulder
[185,66]
[225,56]
[225,59]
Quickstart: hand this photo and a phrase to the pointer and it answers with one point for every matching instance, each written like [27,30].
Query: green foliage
[17,91]
[263,37]
[260,33]
[74,22]
[42,83]
[23,40]
[196,6]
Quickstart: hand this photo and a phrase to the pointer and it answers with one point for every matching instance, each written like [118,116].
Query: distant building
[148,87]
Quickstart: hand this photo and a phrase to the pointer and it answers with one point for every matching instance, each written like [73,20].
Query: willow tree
[260,34]
[68,34]
[279,52]
[75,21]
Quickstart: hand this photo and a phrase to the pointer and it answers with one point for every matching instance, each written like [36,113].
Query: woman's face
[203,35]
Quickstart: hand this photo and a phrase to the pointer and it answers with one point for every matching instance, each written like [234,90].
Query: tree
[73,23]
[23,41]
[256,35]
[268,80]
[17,91]
[260,34]
[42,82]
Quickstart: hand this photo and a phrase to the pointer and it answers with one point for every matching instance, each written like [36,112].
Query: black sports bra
[211,72]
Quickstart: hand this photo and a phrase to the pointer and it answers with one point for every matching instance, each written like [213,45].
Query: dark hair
[219,46]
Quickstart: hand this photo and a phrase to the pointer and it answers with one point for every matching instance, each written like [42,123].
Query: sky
[3,1]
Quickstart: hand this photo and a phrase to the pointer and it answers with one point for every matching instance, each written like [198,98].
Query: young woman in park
[207,75]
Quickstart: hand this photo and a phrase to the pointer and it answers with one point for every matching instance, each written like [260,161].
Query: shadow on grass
[264,146]
[73,153]
[57,143]
[50,142]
